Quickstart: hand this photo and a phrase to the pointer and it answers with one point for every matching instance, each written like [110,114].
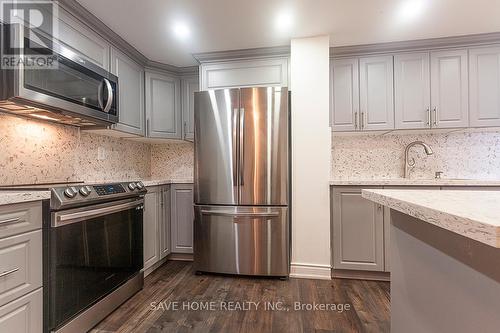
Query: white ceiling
[218,25]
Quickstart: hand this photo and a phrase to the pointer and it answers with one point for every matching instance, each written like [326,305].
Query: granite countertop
[414,182]
[473,214]
[156,182]
[13,197]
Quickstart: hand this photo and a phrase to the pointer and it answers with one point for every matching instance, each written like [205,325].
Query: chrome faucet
[411,164]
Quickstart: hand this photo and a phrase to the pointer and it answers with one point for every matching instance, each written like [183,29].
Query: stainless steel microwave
[74,91]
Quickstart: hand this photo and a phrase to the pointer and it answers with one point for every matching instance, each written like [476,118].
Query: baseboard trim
[181,256]
[360,275]
[310,271]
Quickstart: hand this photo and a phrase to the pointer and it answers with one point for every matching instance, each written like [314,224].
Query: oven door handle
[68,218]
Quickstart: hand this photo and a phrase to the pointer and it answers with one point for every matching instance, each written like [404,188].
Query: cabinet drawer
[24,315]
[19,218]
[20,265]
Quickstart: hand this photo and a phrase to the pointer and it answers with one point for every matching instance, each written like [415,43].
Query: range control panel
[109,189]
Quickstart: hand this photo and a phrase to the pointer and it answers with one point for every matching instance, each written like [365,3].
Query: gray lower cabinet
[163,106]
[190,84]
[358,231]
[182,218]
[150,227]
[24,315]
[131,93]
[165,212]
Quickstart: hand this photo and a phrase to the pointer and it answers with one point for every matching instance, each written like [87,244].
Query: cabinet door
[376,93]
[150,232]
[165,212]
[449,89]
[182,218]
[24,315]
[163,107]
[244,73]
[82,40]
[358,231]
[344,85]
[412,90]
[484,86]
[131,93]
[189,86]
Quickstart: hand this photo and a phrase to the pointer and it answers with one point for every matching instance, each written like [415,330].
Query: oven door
[92,251]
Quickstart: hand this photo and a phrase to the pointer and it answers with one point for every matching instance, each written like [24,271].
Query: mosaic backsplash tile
[469,155]
[172,161]
[39,152]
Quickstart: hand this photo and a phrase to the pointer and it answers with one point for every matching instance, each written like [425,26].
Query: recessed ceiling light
[181,30]
[410,10]
[284,21]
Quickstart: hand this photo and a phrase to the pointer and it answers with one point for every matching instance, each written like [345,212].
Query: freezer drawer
[242,240]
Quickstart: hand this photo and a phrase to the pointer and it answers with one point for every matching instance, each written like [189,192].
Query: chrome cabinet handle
[362,120]
[242,146]
[428,113]
[9,272]
[185,130]
[356,120]
[12,220]
[435,116]
[109,103]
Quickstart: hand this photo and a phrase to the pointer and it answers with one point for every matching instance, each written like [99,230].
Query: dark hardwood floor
[176,282]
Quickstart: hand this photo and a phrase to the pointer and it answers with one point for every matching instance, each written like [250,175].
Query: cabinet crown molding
[253,53]
[416,45]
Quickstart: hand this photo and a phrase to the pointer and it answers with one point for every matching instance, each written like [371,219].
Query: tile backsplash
[470,155]
[38,152]
[172,161]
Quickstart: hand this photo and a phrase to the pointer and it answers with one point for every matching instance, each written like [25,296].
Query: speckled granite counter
[13,197]
[414,182]
[156,182]
[473,214]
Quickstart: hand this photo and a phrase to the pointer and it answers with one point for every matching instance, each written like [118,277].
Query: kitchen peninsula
[445,256]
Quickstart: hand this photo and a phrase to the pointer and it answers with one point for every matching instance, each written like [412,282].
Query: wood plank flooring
[176,282]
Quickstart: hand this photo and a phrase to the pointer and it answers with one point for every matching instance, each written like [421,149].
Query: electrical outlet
[101,153]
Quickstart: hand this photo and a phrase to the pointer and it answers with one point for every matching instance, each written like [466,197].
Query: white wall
[310,158]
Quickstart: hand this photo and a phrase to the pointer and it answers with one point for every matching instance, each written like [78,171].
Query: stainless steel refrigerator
[241,181]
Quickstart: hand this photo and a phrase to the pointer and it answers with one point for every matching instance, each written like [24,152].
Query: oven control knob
[139,185]
[70,192]
[131,186]
[85,190]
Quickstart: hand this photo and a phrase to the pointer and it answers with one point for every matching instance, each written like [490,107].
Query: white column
[311,141]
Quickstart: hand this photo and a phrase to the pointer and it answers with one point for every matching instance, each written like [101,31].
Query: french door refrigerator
[241,181]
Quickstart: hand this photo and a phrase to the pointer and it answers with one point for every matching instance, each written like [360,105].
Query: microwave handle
[109,103]
[99,95]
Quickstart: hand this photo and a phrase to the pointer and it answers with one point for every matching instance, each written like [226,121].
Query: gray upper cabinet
[344,104]
[376,95]
[244,73]
[412,90]
[163,106]
[449,89]
[182,218]
[484,86]
[358,231]
[83,41]
[190,84]
[131,93]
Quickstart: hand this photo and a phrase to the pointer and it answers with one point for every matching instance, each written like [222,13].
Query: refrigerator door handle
[242,146]
[233,214]
[234,151]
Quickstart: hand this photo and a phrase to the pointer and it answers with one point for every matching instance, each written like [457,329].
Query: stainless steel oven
[92,251]
[74,91]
